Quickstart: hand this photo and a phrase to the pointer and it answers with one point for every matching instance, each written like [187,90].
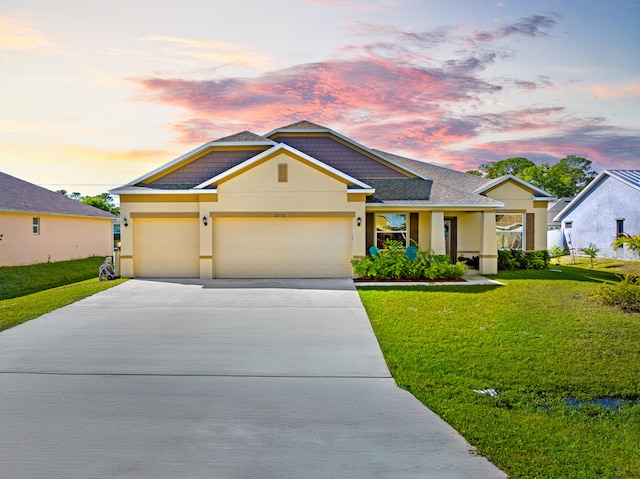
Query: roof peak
[245,136]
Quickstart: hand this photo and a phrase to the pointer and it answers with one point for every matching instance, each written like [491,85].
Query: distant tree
[104,201]
[474,172]
[566,178]
[62,192]
[510,166]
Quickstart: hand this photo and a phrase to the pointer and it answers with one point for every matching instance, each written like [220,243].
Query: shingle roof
[206,167]
[341,157]
[17,195]
[244,137]
[302,125]
[450,187]
[390,189]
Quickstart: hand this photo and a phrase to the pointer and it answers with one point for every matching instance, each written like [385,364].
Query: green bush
[625,294]
[512,259]
[392,262]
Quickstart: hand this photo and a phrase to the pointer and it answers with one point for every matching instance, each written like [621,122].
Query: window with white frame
[510,230]
[391,226]
[36,226]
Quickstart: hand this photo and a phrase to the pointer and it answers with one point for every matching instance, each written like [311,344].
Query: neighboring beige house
[303,200]
[38,225]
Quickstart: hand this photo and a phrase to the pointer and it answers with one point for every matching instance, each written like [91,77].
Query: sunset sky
[95,94]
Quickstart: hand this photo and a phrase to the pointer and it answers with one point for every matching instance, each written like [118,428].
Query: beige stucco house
[303,200]
[38,225]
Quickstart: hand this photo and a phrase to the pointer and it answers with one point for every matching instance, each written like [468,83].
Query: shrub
[511,259]
[557,251]
[392,262]
[625,294]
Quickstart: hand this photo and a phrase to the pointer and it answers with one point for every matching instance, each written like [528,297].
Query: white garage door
[167,248]
[282,247]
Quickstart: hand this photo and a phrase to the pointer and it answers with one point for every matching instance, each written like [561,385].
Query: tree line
[103,201]
[565,179]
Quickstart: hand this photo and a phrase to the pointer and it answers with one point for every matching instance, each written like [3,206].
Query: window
[391,226]
[283,173]
[36,226]
[509,230]
[619,228]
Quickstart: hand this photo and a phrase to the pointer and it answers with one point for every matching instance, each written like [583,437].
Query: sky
[95,94]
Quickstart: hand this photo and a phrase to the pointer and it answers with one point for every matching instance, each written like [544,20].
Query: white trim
[366,191]
[141,190]
[279,147]
[354,143]
[200,149]
[432,206]
[526,184]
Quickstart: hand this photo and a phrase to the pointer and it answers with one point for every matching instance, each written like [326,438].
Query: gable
[510,190]
[267,176]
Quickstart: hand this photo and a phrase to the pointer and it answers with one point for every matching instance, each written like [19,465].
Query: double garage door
[308,247]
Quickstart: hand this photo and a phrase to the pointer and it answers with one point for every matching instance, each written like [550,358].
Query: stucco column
[206,239]
[437,232]
[488,243]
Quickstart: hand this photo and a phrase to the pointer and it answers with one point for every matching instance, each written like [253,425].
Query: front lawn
[538,342]
[18,281]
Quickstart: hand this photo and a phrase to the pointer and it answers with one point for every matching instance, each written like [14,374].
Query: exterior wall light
[124,222]
[205,221]
[359,221]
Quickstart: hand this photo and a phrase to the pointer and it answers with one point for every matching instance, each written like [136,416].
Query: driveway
[215,379]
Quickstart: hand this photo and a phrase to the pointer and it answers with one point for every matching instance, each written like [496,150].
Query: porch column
[437,232]
[488,243]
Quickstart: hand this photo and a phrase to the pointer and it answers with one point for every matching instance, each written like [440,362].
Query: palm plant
[631,242]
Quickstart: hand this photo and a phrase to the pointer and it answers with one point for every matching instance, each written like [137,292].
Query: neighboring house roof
[630,178]
[19,196]
[555,208]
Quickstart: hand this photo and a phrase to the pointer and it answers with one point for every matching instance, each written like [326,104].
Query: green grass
[15,311]
[18,281]
[538,341]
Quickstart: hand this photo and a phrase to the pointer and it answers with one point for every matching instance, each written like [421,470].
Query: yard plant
[393,262]
[543,346]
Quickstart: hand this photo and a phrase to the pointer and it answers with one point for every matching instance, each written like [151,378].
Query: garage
[166,247]
[308,247]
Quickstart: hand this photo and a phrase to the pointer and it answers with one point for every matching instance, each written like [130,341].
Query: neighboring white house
[608,207]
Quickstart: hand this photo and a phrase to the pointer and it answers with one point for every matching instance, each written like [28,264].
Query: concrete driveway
[215,379]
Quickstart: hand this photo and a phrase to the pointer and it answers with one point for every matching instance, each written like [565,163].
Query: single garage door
[167,248]
[282,247]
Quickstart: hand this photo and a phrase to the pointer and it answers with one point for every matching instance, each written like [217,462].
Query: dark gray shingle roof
[341,157]
[17,195]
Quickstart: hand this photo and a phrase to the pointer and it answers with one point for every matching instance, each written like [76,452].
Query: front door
[451,237]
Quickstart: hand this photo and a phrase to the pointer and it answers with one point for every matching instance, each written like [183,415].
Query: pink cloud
[394,95]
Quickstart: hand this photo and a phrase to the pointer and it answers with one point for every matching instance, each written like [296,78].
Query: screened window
[36,226]
[510,231]
[391,226]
